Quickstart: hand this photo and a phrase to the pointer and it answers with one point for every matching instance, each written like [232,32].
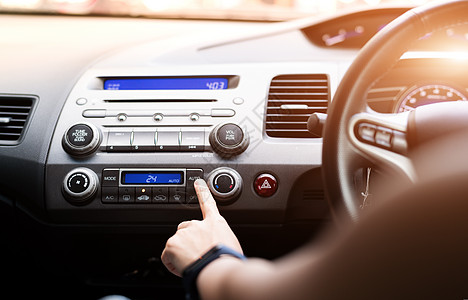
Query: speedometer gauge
[428,94]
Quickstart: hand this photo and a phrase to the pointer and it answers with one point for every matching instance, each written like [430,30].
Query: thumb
[205,198]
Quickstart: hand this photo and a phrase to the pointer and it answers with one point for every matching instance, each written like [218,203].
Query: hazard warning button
[265,185]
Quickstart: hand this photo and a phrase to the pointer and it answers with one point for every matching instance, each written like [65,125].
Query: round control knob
[225,184]
[81,139]
[80,185]
[229,139]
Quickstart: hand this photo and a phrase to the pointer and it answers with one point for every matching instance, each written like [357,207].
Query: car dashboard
[105,123]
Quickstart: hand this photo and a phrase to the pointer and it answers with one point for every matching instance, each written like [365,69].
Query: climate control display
[149,186]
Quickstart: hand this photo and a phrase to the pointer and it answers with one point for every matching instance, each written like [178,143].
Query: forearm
[257,279]
[230,278]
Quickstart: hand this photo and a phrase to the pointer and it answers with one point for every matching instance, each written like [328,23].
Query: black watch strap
[190,274]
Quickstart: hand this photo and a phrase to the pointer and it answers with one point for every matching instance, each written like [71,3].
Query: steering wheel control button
[265,185]
[126,195]
[366,132]
[192,141]
[160,195]
[228,139]
[399,142]
[80,185]
[225,184]
[119,141]
[168,140]
[176,195]
[109,195]
[110,177]
[383,137]
[144,141]
[81,139]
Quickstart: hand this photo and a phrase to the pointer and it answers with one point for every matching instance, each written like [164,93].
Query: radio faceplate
[149,185]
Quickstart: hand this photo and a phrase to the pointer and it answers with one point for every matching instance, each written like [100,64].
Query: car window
[258,10]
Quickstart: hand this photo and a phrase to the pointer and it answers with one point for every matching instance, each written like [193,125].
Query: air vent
[291,100]
[14,113]
[383,100]
[313,195]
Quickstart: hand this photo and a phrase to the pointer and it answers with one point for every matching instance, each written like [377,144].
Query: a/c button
[109,195]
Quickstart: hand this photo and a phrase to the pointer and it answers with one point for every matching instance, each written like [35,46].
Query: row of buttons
[148,195]
[383,137]
[156,140]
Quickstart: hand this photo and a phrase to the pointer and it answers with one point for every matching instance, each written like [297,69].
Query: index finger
[205,198]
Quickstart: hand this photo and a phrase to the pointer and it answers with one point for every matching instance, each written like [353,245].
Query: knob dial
[80,186]
[225,184]
[229,139]
[81,139]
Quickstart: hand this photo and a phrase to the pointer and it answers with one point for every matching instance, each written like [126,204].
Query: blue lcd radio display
[142,178]
[176,83]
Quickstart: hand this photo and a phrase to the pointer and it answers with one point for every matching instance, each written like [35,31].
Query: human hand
[194,238]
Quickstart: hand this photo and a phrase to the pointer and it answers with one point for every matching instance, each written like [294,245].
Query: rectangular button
[192,141]
[109,194]
[160,195]
[167,140]
[126,195]
[142,195]
[367,132]
[110,177]
[119,141]
[221,112]
[192,175]
[383,137]
[176,195]
[94,113]
[191,196]
[144,140]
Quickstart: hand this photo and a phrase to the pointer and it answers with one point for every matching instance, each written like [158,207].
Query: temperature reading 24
[215,85]
[152,179]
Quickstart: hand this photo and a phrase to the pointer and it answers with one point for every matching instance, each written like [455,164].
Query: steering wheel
[355,136]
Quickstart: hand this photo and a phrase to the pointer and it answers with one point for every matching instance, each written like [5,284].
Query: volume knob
[229,139]
[81,139]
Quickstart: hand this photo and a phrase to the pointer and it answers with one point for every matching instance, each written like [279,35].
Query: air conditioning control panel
[149,186]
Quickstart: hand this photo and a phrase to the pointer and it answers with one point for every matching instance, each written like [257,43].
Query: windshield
[253,10]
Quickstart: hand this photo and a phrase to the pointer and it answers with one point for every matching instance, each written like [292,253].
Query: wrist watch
[190,274]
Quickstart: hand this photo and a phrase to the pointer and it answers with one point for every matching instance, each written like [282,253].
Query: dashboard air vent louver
[14,113]
[383,100]
[291,100]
